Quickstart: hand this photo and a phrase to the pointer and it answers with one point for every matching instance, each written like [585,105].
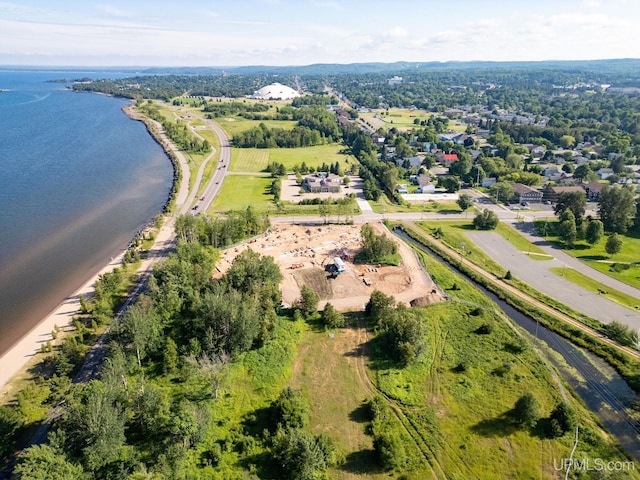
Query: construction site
[322,257]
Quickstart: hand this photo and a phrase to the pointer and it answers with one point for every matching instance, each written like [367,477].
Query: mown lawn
[240,191]
[235,125]
[257,159]
[383,205]
[597,287]
[630,276]
[595,255]
[399,117]
[249,159]
[454,235]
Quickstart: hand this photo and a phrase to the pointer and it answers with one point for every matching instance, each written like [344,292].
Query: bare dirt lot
[302,252]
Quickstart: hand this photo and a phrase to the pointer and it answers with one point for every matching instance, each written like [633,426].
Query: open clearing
[257,159]
[302,252]
[240,191]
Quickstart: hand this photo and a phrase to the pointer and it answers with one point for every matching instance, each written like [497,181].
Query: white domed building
[275,91]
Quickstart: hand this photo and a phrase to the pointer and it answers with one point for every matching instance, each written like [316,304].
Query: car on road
[202,199]
[195,208]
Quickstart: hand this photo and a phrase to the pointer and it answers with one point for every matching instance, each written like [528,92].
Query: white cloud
[395,32]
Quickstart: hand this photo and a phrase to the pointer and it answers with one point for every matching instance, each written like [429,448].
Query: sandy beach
[26,350]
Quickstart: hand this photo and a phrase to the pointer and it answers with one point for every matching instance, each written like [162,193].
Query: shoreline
[24,352]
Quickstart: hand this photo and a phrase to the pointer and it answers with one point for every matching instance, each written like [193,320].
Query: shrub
[289,411]
[562,420]
[331,317]
[487,220]
[526,411]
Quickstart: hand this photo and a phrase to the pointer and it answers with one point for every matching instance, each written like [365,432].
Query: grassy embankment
[596,287]
[626,365]
[628,260]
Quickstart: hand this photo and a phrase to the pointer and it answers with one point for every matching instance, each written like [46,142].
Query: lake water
[78,179]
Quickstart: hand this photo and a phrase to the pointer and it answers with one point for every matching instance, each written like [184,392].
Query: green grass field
[454,235]
[329,380]
[383,205]
[257,159]
[596,257]
[630,276]
[471,403]
[240,191]
[249,159]
[399,117]
[235,125]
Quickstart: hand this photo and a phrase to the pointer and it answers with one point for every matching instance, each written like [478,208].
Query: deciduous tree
[617,208]
[576,202]
[526,411]
[487,220]
[308,301]
[465,201]
[614,244]
[595,231]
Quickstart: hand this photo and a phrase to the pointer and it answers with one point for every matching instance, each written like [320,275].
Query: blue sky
[302,32]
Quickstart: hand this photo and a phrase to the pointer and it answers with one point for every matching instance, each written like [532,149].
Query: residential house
[551,171]
[553,192]
[593,189]
[378,139]
[524,193]
[474,153]
[439,171]
[489,182]
[447,159]
[431,188]
[402,188]
[423,180]
[414,162]
[447,137]
[537,151]
[605,173]
[463,139]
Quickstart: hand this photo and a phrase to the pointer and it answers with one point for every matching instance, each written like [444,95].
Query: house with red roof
[447,159]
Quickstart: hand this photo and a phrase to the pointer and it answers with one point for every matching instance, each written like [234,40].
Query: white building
[275,91]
